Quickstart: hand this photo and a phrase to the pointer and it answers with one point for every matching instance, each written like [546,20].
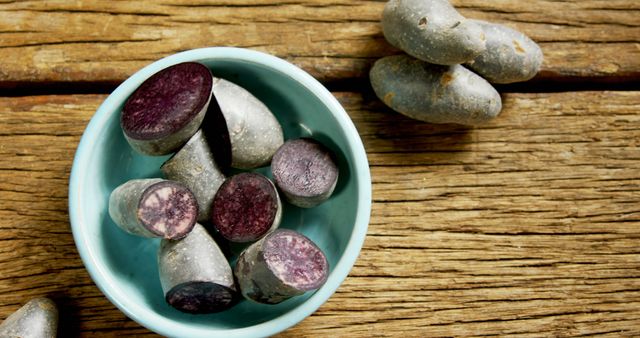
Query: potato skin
[38,318]
[196,257]
[510,56]
[279,266]
[254,132]
[433,93]
[196,262]
[195,167]
[432,31]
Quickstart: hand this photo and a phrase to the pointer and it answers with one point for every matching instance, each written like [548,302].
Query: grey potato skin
[256,281]
[510,56]
[254,131]
[195,258]
[194,166]
[431,30]
[123,206]
[36,319]
[168,144]
[433,93]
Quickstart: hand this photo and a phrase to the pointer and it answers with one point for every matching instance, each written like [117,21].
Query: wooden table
[529,225]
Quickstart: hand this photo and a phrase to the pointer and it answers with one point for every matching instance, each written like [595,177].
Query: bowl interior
[124,266]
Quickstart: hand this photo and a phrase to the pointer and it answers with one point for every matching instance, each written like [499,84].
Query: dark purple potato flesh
[168,209]
[283,264]
[200,297]
[246,207]
[167,108]
[305,171]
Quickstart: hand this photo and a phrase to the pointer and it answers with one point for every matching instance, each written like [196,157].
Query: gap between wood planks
[569,84]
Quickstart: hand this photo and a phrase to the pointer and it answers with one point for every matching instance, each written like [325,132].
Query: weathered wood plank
[106,41]
[527,226]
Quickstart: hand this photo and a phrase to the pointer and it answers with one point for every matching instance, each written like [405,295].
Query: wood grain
[106,41]
[527,226]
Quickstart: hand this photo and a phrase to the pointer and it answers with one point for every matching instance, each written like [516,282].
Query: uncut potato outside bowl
[124,267]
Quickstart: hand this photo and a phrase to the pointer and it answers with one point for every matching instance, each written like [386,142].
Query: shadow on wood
[68,314]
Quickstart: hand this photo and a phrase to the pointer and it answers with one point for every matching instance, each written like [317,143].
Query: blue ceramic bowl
[124,266]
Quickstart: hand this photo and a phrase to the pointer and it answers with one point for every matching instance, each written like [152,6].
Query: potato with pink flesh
[283,264]
[154,208]
[254,132]
[36,319]
[195,167]
[305,171]
[195,275]
[246,207]
[167,109]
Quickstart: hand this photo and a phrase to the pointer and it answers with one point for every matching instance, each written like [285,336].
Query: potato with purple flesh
[195,167]
[254,132]
[154,207]
[510,56]
[432,31]
[432,93]
[36,319]
[246,207]
[305,171]
[195,275]
[283,264]
[167,109]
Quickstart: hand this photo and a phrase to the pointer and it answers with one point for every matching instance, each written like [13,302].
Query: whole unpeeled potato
[433,93]
[38,318]
[432,31]
[510,56]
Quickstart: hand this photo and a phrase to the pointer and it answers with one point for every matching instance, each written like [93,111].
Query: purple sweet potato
[167,109]
[36,319]
[254,132]
[305,171]
[246,207]
[195,275]
[154,208]
[195,167]
[283,264]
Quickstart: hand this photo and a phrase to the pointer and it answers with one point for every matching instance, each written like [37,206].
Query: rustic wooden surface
[527,226]
[104,40]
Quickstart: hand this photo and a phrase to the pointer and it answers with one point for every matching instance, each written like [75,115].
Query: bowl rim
[149,318]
